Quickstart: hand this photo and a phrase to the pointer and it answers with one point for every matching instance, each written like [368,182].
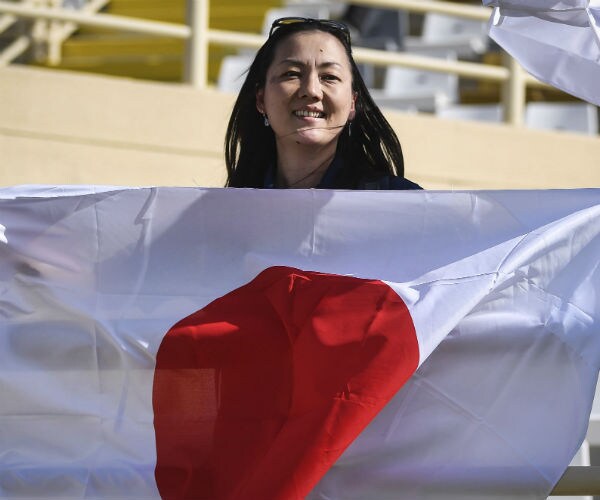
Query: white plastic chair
[233,72]
[571,117]
[593,434]
[377,28]
[424,90]
[472,112]
[335,8]
[582,457]
[466,37]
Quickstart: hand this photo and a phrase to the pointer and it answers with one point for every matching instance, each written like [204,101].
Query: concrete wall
[68,128]
[60,127]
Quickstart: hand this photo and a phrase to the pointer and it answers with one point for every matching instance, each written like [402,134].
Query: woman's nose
[311,87]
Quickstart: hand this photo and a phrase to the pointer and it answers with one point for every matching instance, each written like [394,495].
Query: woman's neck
[303,166]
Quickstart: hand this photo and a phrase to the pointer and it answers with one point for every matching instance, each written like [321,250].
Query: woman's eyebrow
[297,62]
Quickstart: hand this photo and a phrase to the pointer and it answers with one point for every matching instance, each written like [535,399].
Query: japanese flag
[270,344]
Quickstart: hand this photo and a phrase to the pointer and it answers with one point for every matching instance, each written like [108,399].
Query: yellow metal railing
[424,6]
[199,36]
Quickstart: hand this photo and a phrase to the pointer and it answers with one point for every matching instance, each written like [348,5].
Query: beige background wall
[69,128]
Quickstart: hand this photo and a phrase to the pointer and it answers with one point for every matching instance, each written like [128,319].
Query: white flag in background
[557,41]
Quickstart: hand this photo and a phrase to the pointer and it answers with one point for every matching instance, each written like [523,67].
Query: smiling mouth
[310,114]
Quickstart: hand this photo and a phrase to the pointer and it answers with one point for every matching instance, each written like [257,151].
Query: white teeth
[312,114]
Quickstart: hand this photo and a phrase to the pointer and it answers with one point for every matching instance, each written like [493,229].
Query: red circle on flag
[257,394]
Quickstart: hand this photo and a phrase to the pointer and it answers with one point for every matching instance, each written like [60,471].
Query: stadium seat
[472,112]
[571,117]
[468,38]
[582,457]
[233,72]
[376,28]
[335,8]
[593,435]
[407,88]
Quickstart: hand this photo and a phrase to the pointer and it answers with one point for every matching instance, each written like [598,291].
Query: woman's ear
[353,107]
[260,100]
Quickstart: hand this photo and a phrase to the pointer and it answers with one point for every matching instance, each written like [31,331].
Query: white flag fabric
[557,41]
[117,305]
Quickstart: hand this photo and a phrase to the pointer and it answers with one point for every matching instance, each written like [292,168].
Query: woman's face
[308,95]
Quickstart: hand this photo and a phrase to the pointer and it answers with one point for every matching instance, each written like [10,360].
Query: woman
[304,117]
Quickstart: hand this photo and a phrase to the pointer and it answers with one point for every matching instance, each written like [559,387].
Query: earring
[349,129]
[266,120]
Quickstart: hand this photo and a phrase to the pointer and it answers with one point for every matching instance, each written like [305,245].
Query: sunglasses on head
[326,23]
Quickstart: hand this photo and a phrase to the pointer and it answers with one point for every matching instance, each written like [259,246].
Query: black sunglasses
[287,21]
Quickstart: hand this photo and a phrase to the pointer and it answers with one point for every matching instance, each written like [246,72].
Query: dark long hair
[372,150]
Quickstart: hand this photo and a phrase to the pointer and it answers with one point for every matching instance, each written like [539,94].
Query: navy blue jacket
[383,182]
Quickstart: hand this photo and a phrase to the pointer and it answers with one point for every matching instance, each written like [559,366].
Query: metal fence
[63,21]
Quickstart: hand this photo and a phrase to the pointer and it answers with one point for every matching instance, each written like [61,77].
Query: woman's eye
[330,78]
[291,73]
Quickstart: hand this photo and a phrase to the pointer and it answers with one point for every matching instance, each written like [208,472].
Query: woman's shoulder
[388,182]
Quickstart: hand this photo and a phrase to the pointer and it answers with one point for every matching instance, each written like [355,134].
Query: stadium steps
[134,55]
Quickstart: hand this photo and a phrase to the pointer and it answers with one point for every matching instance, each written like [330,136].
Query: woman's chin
[315,137]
